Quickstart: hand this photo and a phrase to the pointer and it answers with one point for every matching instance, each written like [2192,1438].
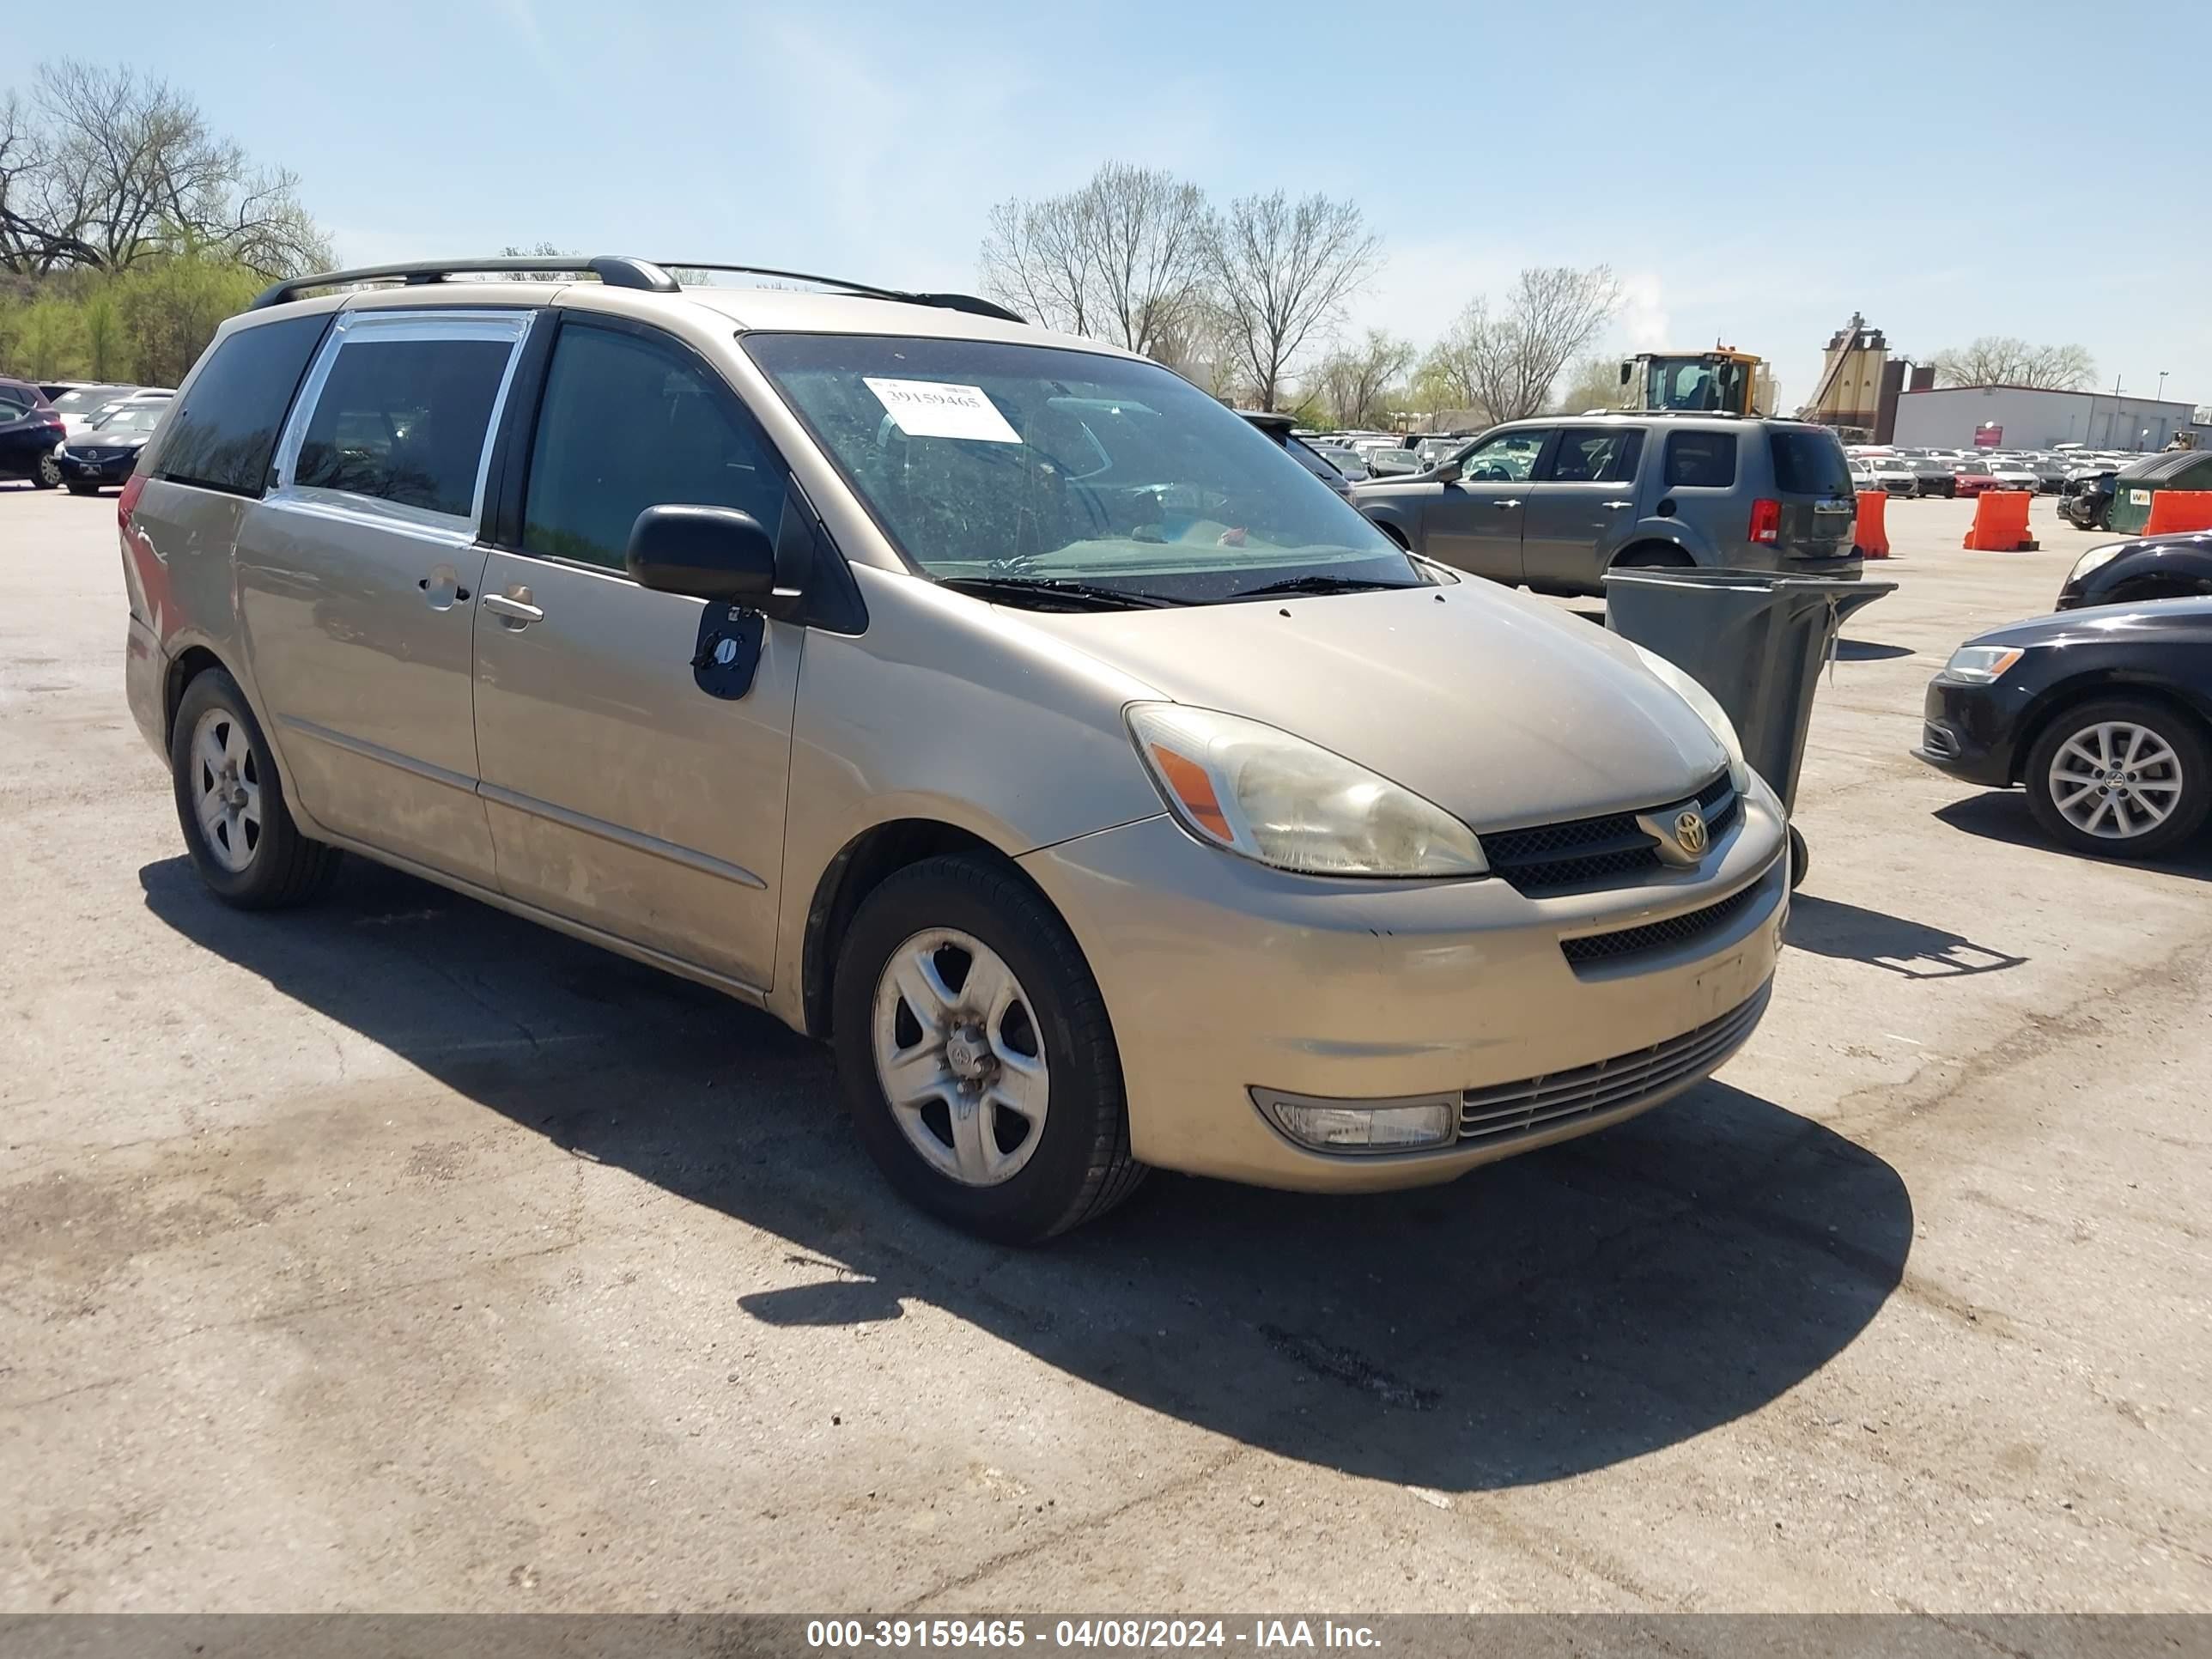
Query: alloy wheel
[959,1057]
[226,789]
[2115,780]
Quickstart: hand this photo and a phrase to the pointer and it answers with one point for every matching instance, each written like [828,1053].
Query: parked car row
[76,432]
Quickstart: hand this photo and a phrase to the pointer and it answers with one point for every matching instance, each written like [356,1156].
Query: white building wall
[1947,418]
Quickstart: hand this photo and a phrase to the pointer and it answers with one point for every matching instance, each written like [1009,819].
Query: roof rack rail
[615,270]
[967,302]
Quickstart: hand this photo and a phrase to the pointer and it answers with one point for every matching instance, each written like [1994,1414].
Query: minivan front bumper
[1223,977]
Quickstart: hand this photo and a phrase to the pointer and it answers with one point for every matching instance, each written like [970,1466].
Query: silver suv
[991,703]
[1554,503]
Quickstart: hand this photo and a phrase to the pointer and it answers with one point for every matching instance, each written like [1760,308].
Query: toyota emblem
[1690,831]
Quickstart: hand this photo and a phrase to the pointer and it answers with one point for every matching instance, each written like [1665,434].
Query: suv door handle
[515,612]
[1616,504]
[1503,507]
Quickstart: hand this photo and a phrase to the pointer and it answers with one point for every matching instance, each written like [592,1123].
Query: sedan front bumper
[1969,730]
[1223,976]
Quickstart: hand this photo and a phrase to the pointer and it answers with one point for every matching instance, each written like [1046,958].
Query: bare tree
[2004,359]
[1036,260]
[1507,364]
[1353,381]
[1282,271]
[1147,254]
[107,169]
[1122,259]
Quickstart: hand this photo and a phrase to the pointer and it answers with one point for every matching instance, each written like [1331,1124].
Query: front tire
[975,1054]
[2120,777]
[76,489]
[230,803]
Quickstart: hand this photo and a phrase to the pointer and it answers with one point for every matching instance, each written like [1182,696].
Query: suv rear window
[221,434]
[1808,462]
[1700,461]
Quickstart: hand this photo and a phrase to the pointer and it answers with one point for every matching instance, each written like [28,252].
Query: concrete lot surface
[395,1254]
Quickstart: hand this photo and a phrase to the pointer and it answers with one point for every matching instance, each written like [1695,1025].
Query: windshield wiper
[1034,588]
[1318,584]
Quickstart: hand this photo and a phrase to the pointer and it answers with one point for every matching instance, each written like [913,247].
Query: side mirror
[1445,471]
[715,553]
[1627,372]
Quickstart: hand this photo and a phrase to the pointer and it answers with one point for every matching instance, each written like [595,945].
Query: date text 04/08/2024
[1260,1635]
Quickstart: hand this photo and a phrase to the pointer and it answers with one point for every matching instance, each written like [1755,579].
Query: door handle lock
[514,608]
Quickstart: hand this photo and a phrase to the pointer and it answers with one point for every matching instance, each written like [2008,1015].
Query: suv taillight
[1766,522]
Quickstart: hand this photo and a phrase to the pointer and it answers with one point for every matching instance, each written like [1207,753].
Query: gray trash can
[1755,640]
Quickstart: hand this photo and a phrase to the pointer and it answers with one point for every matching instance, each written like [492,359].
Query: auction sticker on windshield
[934,409]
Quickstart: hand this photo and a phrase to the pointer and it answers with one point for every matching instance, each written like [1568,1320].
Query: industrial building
[2028,417]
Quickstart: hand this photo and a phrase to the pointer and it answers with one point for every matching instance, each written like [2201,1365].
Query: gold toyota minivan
[991,703]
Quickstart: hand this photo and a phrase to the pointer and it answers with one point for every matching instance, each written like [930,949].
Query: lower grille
[1582,852]
[1512,1111]
[1685,929]
[1938,741]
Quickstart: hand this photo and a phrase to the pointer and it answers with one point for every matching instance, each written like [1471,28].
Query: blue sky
[1754,172]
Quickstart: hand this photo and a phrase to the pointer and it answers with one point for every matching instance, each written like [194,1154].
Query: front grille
[1688,927]
[1609,851]
[1513,1111]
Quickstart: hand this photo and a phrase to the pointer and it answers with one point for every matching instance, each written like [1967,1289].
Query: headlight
[1254,790]
[1706,707]
[1978,664]
[2095,559]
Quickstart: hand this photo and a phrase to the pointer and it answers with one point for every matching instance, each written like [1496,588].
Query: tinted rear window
[404,421]
[222,431]
[1700,461]
[1808,462]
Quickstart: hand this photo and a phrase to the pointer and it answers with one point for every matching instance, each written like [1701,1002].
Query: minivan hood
[1498,707]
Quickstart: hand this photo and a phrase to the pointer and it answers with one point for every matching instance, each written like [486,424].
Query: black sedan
[2105,715]
[29,429]
[106,451]
[2177,567]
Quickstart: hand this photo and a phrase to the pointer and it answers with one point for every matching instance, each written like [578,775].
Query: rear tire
[966,1155]
[2095,786]
[47,474]
[1800,859]
[230,803]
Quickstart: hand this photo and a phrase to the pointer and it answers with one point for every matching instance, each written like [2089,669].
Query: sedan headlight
[1254,790]
[2095,559]
[1978,665]
[1706,707]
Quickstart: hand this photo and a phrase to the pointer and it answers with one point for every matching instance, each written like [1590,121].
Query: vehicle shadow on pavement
[1828,927]
[1555,1314]
[2001,815]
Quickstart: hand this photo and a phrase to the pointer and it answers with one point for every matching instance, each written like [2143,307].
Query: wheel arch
[863,864]
[187,666]
[1648,551]
[2089,687]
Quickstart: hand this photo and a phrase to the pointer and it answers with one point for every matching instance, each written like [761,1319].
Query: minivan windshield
[988,461]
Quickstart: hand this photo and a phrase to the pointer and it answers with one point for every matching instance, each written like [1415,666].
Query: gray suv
[1557,501]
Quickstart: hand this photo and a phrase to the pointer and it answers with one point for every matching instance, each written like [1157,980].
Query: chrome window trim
[512,326]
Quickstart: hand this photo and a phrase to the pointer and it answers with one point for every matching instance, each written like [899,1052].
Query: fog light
[1362,1126]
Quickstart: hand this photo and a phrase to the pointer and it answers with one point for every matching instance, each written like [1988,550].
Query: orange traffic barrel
[1871,532]
[2001,522]
[2178,509]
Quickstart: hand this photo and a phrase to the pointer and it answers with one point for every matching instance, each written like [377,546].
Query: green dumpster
[2138,481]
